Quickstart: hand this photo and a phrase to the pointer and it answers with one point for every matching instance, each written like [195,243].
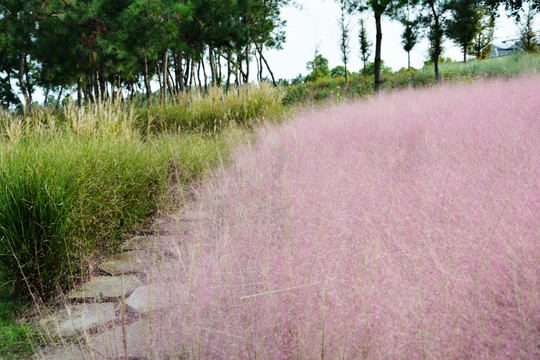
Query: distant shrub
[362,87]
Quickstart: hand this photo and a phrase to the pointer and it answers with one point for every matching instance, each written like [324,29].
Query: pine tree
[527,36]
[379,8]
[365,44]
[344,43]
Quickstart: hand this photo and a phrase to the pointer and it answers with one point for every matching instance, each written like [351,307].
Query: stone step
[125,342]
[106,287]
[150,298]
[67,352]
[137,261]
[80,318]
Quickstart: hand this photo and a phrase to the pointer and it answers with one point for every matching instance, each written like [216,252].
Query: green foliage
[482,42]
[102,46]
[18,340]
[318,67]
[528,40]
[365,44]
[213,111]
[464,23]
[339,71]
[75,182]
[335,89]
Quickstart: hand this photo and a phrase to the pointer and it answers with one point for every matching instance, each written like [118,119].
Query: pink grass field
[405,227]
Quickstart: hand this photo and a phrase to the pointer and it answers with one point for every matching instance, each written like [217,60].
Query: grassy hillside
[336,90]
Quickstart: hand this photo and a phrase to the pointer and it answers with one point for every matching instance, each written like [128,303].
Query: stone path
[107,316]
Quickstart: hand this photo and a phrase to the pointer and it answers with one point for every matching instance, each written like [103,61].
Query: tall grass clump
[66,195]
[405,227]
[213,109]
[75,182]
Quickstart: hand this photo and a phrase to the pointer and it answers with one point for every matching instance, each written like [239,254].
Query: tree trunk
[437,42]
[179,72]
[408,60]
[228,70]
[267,66]
[46,96]
[22,84]
[199,73]
[147,80]
[165,78]
[212,66]
[79,92]
[59,97]
[205,76]
[96,86]
[103,84]
[246,79]
[378,41]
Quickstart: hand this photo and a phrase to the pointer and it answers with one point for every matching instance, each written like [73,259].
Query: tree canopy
[108,47]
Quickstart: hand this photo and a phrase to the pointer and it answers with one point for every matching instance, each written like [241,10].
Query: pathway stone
[149,298]
[81,318]
[137,261]
[137,340]
[104,287]
[69,352]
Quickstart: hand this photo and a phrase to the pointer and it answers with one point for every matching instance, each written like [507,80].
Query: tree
[514,7]
[464,23]
[365,44]
[527,36]
[318,67]
[409,36]
[378,8]
[482,42]
[338,71]
[344,45]
[433,19]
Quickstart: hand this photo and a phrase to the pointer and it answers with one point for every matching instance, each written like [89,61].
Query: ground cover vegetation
[331,89]
[76,181]
[81,171]
[402,227]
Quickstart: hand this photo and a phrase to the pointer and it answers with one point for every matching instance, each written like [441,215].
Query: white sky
[317,23]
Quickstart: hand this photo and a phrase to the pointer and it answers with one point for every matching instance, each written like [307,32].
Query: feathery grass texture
[72,184]
[405,227]
[214,110]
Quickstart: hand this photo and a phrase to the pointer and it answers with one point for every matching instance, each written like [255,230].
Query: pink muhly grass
[403,227]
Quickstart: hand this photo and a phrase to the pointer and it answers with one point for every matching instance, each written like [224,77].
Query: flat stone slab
[69,352]
[103,287]
[149,298]
[158,243]
[129,262]
[136,338]
[80,318]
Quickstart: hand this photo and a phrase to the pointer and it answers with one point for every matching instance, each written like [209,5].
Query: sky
[317,23]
